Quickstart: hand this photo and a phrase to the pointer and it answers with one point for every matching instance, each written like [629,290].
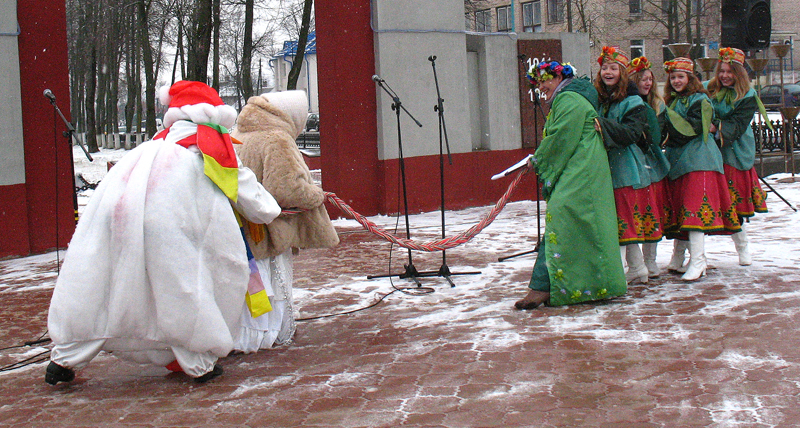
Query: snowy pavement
[719,352]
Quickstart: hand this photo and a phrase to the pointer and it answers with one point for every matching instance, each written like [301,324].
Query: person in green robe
[578,257]
[735,103]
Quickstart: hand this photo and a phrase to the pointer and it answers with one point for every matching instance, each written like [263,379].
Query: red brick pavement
[718,352]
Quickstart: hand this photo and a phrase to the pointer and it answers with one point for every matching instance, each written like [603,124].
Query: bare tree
[199,41]
[247,50]
[294,73]
[682,21]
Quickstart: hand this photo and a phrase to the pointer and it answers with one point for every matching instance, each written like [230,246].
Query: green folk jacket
[582,247]
[655,160]
[624,125]
[738,143]
[690,147]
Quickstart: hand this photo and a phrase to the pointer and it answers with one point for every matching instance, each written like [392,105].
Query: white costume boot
[740,241]
[623,249]
[678,256]
[649,254]
[697,257]
[637,271]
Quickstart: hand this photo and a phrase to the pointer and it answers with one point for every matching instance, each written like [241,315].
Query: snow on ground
[774,243]
[699,335]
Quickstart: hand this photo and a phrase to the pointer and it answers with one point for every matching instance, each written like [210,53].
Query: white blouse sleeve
[254,202]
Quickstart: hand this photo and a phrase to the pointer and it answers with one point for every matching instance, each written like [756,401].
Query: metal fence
[782,141]
[772,141]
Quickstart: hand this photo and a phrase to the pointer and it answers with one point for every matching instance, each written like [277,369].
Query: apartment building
[640,27]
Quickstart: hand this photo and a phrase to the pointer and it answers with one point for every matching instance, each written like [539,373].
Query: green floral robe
[580,251]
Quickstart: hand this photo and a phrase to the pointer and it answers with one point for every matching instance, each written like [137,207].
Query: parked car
[312,123]
[772,95]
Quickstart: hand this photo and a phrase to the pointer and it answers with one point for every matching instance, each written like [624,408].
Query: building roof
[290,46]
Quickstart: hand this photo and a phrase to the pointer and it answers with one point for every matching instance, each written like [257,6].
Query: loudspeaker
[746,24]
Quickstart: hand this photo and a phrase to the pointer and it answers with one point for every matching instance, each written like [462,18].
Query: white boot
[622,253]
[740,241]
[678,256]
[697,257]
[637,271]
[649,254]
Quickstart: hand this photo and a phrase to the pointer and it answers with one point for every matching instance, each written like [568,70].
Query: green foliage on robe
[582,248]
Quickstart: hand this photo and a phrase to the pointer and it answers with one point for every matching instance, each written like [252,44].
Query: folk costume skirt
[746,194]
[701,202]
[638,215]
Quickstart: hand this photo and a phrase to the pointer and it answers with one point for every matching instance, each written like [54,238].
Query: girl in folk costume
[623,122]
[268,127]
[734,103]
[577,259]
[700,199]
[157,268]
[655,161]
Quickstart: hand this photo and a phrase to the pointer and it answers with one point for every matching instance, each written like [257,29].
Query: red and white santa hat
[294,104]
[196,102]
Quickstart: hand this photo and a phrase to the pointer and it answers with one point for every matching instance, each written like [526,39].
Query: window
[637,48]
[504,18]
[555,10]
[532,17]
[483,20]
[635,7]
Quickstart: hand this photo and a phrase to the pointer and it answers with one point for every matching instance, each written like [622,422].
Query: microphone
[376,78]
[49,95]
[432,58]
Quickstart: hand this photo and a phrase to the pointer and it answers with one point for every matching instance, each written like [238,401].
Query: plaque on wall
[533,114]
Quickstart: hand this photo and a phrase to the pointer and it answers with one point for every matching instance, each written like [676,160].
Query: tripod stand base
[412,273]
[444,272]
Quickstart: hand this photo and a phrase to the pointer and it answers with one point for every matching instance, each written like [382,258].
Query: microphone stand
[69,134]
[397,105]
[444,270]
[537,110]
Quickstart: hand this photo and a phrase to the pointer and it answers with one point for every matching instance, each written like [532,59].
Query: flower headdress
[614,55]
[547,70]
[679,64]
[731,55]
[639,64]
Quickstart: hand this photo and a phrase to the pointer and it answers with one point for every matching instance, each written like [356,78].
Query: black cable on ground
[36,359]
[30,360]
[418,291]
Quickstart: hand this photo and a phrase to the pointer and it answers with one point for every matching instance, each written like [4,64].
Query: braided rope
[438,245]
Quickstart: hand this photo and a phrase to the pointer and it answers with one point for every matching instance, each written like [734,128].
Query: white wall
[12,155]
[478,77]
[498,91]
[306,82]
[406,34]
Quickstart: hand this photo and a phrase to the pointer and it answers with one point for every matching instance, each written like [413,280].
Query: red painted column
[48,155]
[14,218]
[347,105]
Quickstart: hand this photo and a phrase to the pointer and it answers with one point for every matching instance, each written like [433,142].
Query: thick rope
[438,245]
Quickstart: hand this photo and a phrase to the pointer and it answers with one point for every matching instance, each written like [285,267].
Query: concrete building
[36,182]
[481,78]
[281,64]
